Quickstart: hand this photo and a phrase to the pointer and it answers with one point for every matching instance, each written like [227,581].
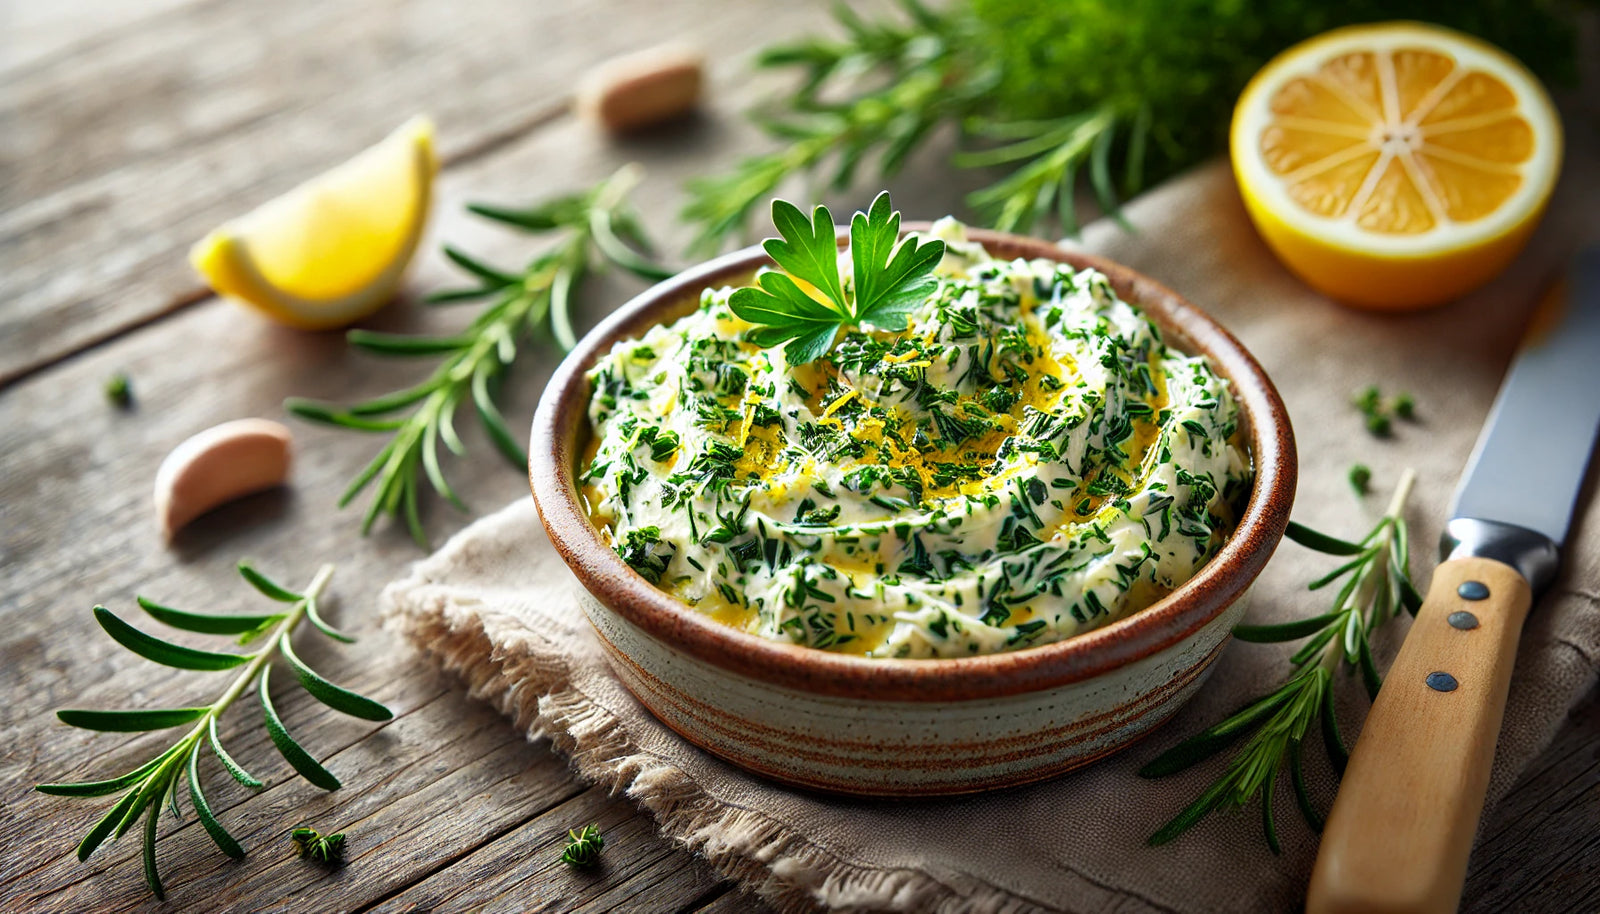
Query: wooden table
[127,129]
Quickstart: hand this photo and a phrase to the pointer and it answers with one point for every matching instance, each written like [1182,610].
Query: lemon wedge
[1396,165]
[332,250]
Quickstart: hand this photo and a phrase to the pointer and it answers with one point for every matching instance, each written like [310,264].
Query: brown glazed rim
[560,428]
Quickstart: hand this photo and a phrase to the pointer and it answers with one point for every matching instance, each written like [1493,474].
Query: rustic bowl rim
[561,422]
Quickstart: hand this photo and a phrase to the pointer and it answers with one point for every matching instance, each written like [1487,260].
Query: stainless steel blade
[1530,459]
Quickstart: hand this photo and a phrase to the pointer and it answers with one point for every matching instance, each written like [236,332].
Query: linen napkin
[495,606]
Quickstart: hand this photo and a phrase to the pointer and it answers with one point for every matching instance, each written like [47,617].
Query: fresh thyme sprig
[599,227]
[1377,586]
[583,846]
[890,277]
[157,781]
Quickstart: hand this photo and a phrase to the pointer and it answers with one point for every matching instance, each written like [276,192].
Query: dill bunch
[1054,92]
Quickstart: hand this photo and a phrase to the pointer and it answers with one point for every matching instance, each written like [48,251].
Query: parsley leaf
[892,276]
[890,279]
[808,250]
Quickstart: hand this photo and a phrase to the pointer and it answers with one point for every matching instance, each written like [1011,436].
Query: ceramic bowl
[883,727]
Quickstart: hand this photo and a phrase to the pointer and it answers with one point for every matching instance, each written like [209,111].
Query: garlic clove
[642,89]
[218,465]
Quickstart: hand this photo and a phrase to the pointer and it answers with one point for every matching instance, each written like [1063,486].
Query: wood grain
[126,130]
[116,161]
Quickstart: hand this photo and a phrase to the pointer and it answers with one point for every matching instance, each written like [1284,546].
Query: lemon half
[334,249]
[1396,165]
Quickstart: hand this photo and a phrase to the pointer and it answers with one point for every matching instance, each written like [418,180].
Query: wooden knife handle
[1402,825]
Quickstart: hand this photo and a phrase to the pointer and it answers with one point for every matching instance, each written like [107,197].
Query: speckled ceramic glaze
[884,727]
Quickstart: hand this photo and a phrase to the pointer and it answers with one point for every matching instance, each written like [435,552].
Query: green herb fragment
[119,390]
[599,228]
[1380,412]
[1368,400]
[1376,589]
[891,277]
[1059,95]
[1361,478]
[1404,406]
[583,847]
[158,781]
[313,845]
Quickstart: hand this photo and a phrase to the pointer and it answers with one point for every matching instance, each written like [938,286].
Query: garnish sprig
[600,228]
[157,781]
[1376,586]
[890,277]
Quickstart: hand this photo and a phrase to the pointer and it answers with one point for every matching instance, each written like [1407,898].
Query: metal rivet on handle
[1473,590]
[1440,681]
[1463,620]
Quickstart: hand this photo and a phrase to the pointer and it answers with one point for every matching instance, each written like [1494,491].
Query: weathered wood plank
[117,161]
[1539,847]
[522,871]
[734,901]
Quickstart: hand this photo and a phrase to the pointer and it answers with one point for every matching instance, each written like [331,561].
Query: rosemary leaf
[224,841]
[205,624]
[334,696]
[293,753]
[164,652]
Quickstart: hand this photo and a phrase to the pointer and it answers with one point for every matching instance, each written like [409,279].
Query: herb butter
[1026,461]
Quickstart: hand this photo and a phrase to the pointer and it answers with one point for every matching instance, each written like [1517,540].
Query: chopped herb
[313,845]
[1361,479]
[583,847]
[119,390]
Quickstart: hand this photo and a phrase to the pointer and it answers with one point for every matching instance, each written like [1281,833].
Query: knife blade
[1530,458]
[1401,828]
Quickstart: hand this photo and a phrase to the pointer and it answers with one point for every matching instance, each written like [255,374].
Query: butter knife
[1401,828]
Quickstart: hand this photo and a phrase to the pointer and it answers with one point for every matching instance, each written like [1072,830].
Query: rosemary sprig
[1115,95]
[157,781]
[917,81]
[1376,586]
[599,227]
[583,846]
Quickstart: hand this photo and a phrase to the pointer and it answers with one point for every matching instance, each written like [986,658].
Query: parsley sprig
[891,276]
